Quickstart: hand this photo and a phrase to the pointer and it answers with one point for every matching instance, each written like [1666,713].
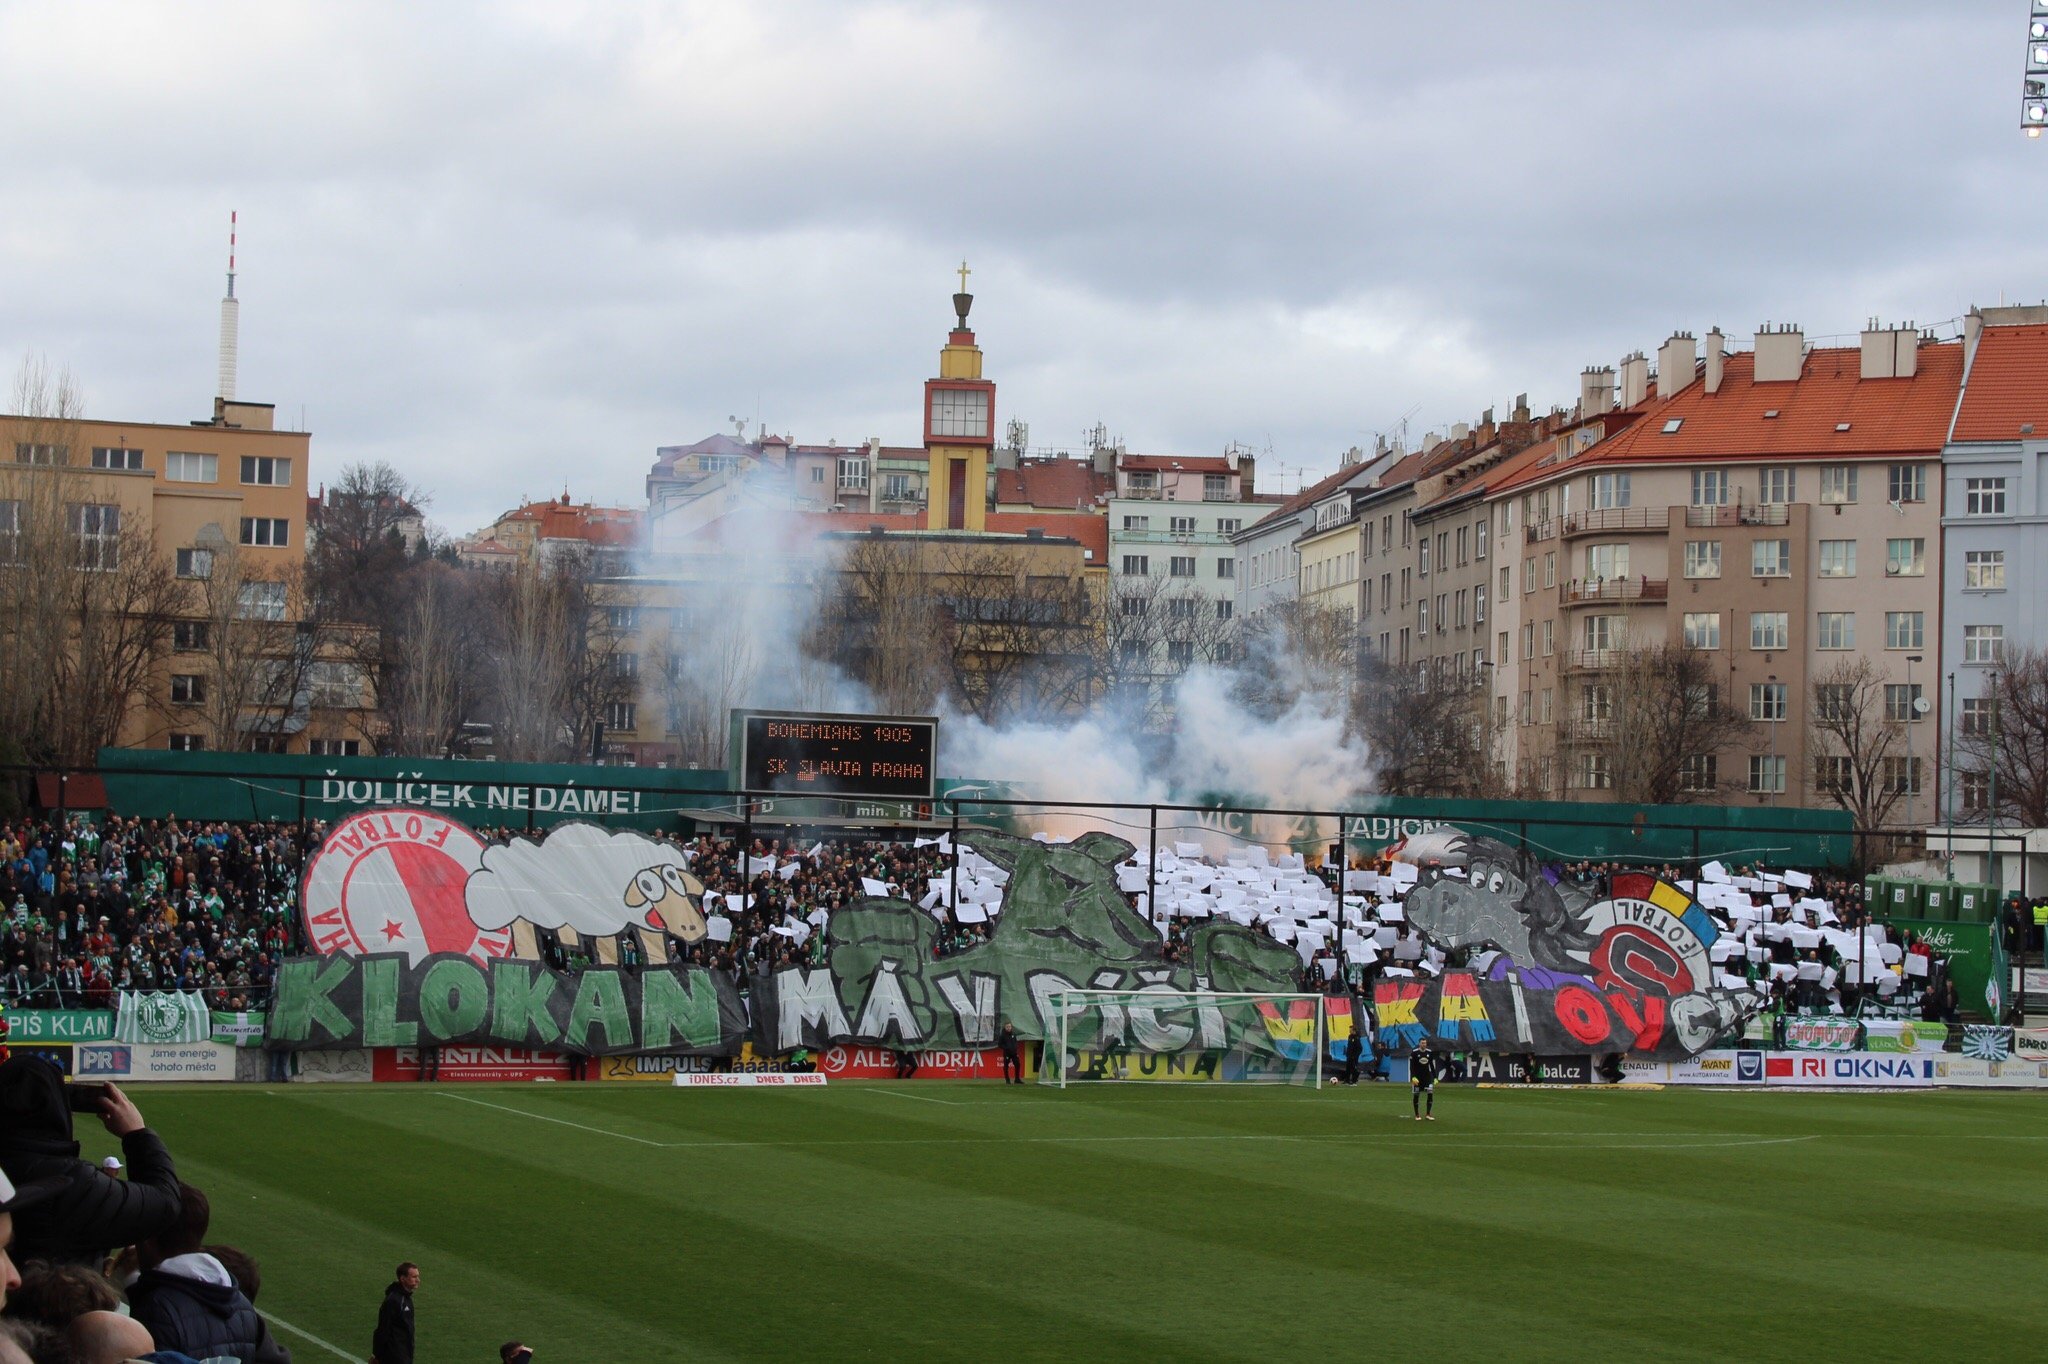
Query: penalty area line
[332,1349]
[564,1122]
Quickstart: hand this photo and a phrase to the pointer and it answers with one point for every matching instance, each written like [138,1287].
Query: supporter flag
[164,1017]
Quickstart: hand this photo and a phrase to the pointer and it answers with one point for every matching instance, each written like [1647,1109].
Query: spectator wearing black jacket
[190,1302]
[394,1339]
[92,1214]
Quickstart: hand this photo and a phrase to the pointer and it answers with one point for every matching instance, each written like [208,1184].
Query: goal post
[1155,1035]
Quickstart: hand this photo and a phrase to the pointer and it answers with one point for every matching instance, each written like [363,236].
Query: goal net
[1094,1036]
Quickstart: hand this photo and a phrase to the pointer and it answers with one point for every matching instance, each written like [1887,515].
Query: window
[1229,525]
[1543,699]
[350,748]
[1906,482]
[187,689]
[1592,772]
[1443,550]
[335,686]
[1549,638]
[1767,774]
[1984,570]
[1137,523]
[1703,558]
[956,412]
[1699,772]
[1775,486]
[272,532]
[895,487]
[1767,700]
[1603,632]
[1182,566]
[188,636]
[1422,565]
[260,601]
[29,452]
[1836,630]
[1225,608]
[1838,484]
[180,467]
[1838,558]
[1980,716]
[1134,606]
[1529,641]
[1181,608]
[1137,565]
[1702,629]
[1984,496]
[1479,540]
[1180,652]
[853,473]
[1550,569]
[95,535]
[1769,630]
[187,743]
[266,471]
[1834,775]
[817,473]
[1528,576]
[1461,544]
[1422,617]
[1904,630]
[115,457]
[1976,792]
[1462,601]
[1898,702]
[1610,490]
[1132,651]
[1905,558]
[1479,604]
[1215,487]
[1180,525]
[1710,487]
[1902,776]
[10,532]
[1770,559]
[1226,568]
[622,617]
[1605,563]
[1834,700]
[625,665]
[195,563]
[621,715]
[1983,643]
[1596,703]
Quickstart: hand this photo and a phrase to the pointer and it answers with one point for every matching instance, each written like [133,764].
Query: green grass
[969,1221]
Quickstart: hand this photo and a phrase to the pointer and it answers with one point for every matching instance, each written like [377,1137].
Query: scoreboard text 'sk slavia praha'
[785,753]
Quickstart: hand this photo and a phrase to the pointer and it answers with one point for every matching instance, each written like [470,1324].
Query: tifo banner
[390,1001]
[244,1029]
[59,1025]
[431,937]
[1820,1034]
[162,1018]
[1976,960]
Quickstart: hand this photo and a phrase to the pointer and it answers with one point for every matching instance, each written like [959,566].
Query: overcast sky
[513,247]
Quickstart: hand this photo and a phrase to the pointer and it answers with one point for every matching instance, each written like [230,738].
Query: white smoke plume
[576,879]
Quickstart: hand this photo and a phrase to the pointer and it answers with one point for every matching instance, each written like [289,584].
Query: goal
[1096,1036]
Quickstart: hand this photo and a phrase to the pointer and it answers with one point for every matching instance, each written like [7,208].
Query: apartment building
[1268,549]
[1171,523]
[1994,533]
[1776,509]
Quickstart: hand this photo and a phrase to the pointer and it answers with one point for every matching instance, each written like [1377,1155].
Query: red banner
[471,1063]
[879,1063]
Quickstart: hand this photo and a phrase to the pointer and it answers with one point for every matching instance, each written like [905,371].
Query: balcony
[1582,592]
[1614,519]
[1580,730]
[1747,514]
[1592,660]
[1536,532]
[1142,494]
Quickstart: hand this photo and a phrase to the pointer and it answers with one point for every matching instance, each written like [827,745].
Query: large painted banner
[431,937]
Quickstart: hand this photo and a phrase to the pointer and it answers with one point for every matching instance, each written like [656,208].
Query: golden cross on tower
[964,273]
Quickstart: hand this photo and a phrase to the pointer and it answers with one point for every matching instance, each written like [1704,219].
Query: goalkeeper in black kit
[1422,1072]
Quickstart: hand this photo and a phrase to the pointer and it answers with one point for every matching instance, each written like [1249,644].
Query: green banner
[383,1001]
[238,1029]
[60,1025]
[1976,960]
[1905,1035]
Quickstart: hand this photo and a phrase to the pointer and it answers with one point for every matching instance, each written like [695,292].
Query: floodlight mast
[2034,88]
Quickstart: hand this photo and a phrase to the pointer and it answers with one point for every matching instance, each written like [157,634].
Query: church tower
[959,428]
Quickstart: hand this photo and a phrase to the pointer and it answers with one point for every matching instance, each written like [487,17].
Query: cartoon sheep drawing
[585,881]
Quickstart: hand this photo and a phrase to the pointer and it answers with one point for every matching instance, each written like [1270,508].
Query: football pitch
[965,1220]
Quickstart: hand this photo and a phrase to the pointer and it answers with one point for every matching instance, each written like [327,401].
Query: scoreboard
[791,754]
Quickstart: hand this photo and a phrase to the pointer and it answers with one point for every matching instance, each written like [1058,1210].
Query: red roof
[1830,412]
[1059,483]
[562,520]
[1091,530]
[2008,386]
[1207,464]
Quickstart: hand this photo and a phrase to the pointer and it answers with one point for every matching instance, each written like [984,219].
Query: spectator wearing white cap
[111,1167]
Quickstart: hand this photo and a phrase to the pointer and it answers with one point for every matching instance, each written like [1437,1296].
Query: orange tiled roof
[1092,531]
[1052,483]
[1830,412]
[2008,386]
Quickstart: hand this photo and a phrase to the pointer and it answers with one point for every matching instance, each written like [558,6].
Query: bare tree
[526,663]
[1662,721]
[1020,632]
[430,663]
[875,621]
[1857,742]
[1430,737]
[2002,741]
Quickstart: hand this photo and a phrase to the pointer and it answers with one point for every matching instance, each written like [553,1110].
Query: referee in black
[1422,1073]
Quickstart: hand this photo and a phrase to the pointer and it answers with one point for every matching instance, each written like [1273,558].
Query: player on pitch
[1422,1073]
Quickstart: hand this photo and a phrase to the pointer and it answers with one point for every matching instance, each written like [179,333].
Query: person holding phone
[92,1214]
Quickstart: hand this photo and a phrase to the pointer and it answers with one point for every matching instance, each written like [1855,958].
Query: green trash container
[1935,902]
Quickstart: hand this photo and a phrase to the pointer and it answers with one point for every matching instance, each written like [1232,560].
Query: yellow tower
[959,428]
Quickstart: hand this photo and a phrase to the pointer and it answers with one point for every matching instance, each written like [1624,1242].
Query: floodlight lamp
[2037,113]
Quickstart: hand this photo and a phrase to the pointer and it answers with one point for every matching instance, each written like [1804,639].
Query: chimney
[1879,351]
[1717,350]
[1973,332]
[1907,363]
[1676,360]
[1521,412]
[1635,379]
[1459,431]
[1596,391]
[1780,354]
[1247,471]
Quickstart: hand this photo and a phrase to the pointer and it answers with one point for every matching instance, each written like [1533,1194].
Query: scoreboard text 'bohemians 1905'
[837,755]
